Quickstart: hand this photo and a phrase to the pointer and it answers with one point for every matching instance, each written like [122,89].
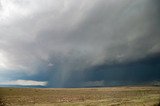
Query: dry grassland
[111,96]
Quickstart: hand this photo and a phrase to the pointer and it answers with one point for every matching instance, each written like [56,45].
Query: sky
[79,43]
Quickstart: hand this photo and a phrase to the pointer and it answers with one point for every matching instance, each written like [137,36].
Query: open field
[111,96]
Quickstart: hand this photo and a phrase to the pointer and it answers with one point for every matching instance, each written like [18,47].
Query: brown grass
[158,104]
[114,96]
[2,103]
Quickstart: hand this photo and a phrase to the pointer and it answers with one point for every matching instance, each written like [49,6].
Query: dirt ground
[109,96]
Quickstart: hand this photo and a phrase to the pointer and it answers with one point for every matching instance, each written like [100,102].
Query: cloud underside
[63,37]
[24,83]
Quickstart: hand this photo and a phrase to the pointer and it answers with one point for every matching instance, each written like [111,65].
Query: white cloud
[25,83]
[3,61]
[50,65]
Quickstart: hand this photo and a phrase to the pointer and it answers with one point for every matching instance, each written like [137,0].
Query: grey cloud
[77,35]
[121,30]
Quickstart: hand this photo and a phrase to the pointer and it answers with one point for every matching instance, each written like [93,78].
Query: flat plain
[108,96]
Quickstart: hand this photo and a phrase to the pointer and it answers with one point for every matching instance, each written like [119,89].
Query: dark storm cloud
[67,40]
[143,71]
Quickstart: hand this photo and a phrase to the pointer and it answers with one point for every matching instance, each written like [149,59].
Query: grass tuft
[158,104]
[1,102]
